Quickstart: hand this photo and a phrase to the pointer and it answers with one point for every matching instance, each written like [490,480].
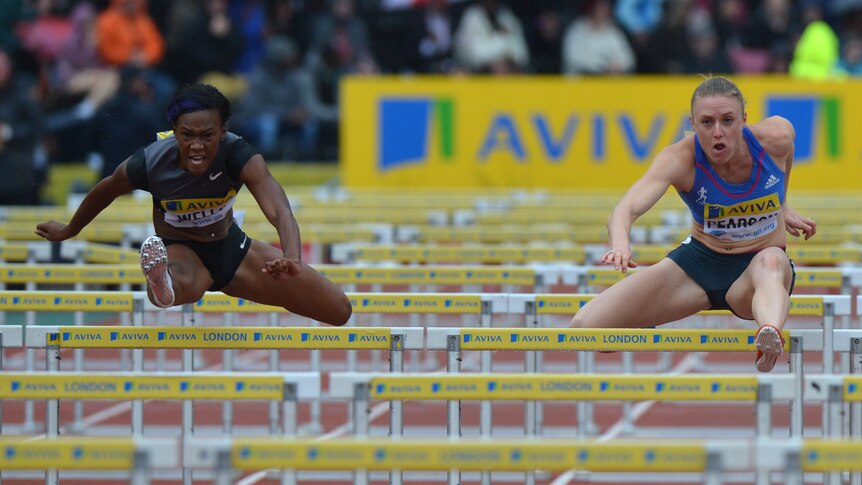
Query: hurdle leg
[714,465]
[227,363]
[361,411]
[763,428]
[832,430]
[793,474]
[273,357]
[628,427]
[453,425]
[137,366]
[290,424]
[485,407]
[52,411]
[856,407]
[78,355]
[30,365]
[224,468]
[141,468]
[796,405]
[396,407]
[316,406]
[188,405]
[828,350]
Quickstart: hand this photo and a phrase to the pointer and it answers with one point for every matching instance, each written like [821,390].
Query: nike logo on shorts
[242,246]
[214,176]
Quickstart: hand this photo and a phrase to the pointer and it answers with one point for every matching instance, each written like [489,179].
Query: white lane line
[685,365]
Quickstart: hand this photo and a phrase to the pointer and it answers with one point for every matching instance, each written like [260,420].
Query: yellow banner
[565,387]
[557,304]
[824,254]
[515,132]
[70,274]
[102,253]
[78,453]
[111,386]
[222,338]
[431,275]
[415,303]
[611,339]
[14,252]
[819,279]
[219,302]
[468,254]
[65,301]
[499,455]
[827,456]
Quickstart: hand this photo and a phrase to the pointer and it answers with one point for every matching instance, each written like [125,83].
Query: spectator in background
[128,35]
[545,38]
[851,57]
[79,70]
[774,27]
[667,50]
[249,18]
[342,37]
[639,19]
[593,44]
[489,39]
[20,137]
[705,55]
[281,112]
[43,35]
[435,45]
[207,43]
[817,53]
[128,120]
[287,18]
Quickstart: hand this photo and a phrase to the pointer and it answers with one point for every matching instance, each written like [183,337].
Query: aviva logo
[410,127]
[816,119]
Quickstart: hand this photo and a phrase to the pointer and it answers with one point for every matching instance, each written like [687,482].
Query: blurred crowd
[88,80]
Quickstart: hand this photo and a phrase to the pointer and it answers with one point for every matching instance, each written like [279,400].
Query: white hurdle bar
[454,388]
[706,461]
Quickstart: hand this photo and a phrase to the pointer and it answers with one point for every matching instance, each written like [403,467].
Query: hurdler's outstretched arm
[96,200]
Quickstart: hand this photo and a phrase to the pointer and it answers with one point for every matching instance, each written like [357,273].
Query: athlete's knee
[582,319]
[339,313]
[343,312]
[772,260]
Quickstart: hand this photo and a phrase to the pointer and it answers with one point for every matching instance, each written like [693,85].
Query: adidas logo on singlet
[771,181]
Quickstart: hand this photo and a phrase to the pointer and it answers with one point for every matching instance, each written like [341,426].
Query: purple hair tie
[183,106]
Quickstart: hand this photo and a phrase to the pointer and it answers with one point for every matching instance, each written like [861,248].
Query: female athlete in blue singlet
[194,175]
[734,178]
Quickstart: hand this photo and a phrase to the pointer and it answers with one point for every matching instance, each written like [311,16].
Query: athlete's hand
[620,258]
[797,224]
[54,231]
[282,268]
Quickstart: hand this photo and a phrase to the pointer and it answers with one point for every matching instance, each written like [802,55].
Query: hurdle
[137,456]
[470,253]
[824,307]
[56,386]
[706,461]
[454,388]
[393,339]
[836,391]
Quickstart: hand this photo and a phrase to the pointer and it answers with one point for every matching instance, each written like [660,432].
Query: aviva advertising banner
[559,132]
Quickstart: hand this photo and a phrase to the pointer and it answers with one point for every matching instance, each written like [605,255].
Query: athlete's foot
[770,345]
[154,263]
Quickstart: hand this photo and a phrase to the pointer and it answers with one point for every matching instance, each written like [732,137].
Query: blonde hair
[717,86]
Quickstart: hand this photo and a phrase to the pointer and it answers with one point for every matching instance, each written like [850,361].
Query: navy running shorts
[221,258]
[714,272]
